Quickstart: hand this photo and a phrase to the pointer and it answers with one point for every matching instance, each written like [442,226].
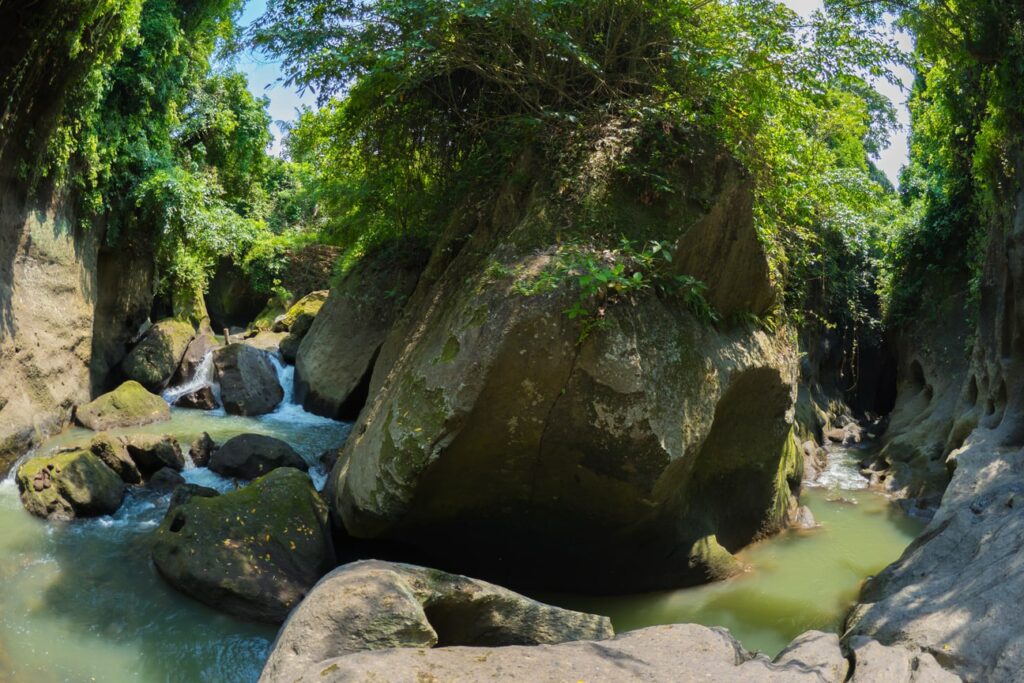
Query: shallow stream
[81,601]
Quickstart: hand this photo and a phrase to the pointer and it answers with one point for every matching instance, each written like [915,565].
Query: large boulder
[155,359]
[248,456]
[194,356]
[334,361]
[130,405]
[248,380]
[659,654]
[643,455]
[114,454]
[69,484]
[254,552]
[153,452]
[373,605]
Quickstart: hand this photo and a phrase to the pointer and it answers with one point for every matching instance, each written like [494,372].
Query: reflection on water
[797,581]
[81,601]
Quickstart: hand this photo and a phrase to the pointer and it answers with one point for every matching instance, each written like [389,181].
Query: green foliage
[423,97]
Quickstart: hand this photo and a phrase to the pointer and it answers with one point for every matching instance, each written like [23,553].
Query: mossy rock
[254,552]
[114,454]
[130,405]
[155,359]
[302,311]
[68,485]
[264,322]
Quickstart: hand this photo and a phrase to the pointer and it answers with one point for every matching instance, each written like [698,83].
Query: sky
[265,79]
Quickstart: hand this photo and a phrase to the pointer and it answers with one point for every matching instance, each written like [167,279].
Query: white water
[203,377]
[842,472]
[82,602]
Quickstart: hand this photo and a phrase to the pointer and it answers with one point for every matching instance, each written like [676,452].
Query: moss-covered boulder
[248,380]
[264,321]
[130,405]
[68,485]
[248,456]
[254,552]
[302,312]
[114,454]
[633,444]
[155,359]
[375,605]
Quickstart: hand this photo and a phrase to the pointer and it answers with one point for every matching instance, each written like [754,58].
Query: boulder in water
[165,480]
[69,484]
[130,405]
[248,380]
[200,399]
[374,605]
[254,552]
[201,450]
[248,456]
[155,359]
[152,452]
[112,451]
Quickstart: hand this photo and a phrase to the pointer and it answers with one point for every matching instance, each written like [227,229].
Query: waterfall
[203,377]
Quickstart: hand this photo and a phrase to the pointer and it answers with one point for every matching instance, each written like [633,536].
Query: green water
[82,602]
[798,581]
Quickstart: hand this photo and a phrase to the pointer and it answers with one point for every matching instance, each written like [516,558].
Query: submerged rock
[155,359]
[165,479]
[130,405]
[336,357]
[248,380]
[69,484]
[254,552]
[114,454]
[201,450]
[374,605]
[153,452]
[659,654]
[200,399]
[248,456]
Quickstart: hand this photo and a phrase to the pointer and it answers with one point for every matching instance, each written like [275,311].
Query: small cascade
[203,377]
[842,471]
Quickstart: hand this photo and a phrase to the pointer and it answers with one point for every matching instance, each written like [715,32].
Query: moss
[153,361]
[271,312]
[128,405]
[450,350]
[69,484]
[307,306]
[717,562]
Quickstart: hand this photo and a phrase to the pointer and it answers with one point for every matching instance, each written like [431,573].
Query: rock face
[248,380]
[375,605]
[334,361]
[254,552]
[114,454]
[152,452]
[200,399]
[642,448]
[194,355]
[69,484]
[130,405]
[953,593]
[153,362]
[248,456]
[660,654]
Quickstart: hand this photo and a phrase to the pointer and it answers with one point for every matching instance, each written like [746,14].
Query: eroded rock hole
[177,524]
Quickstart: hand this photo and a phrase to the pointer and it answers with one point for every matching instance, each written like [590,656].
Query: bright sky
[285,102]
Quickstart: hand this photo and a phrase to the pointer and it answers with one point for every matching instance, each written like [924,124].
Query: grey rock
[165,480]
[201,450]
[152,452]
[248,456]
[373,605]
[248,380]
[114,454]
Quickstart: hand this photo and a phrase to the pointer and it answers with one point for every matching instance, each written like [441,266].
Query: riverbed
[81,601]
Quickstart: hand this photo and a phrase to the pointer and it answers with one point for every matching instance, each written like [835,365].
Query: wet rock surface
[254,552]
[248,380]
[248,456]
